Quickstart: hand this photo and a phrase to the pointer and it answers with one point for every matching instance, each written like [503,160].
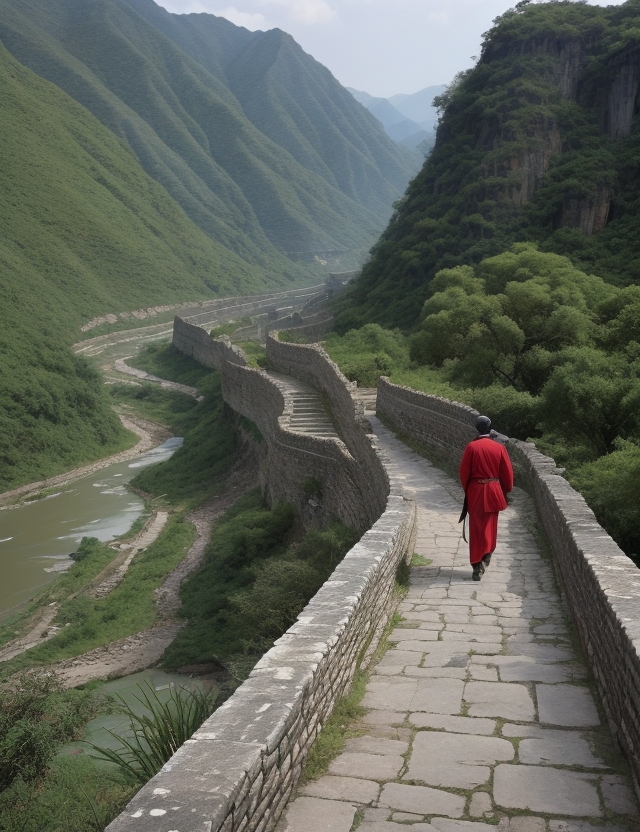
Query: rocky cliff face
[622,95]
[611,95]
[540,142]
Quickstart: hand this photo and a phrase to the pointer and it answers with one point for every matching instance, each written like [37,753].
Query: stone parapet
[239,769]
[293,459]
[197,344]
[601,584]
[310,364]
[346,472]
[438,425]
[602,587]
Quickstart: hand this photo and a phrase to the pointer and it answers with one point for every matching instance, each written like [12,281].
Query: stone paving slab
[553,791]
[480,716]
[310,814]
[455,760]
[351,789]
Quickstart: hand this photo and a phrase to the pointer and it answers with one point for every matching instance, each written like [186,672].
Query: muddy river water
[37,537]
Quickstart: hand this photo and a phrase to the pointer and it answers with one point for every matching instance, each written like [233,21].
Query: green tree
[611,486]
[592,398]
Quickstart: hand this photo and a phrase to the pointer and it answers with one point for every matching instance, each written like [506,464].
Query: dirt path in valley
[144,649]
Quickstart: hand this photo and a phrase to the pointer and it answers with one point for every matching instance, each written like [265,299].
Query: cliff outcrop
[538,142]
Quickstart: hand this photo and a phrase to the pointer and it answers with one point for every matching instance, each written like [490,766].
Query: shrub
[36,716]
[611,486]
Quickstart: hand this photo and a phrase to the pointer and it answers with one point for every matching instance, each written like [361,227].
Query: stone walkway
[306,412]
[481,712]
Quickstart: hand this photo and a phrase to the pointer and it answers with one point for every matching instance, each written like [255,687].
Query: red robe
[485,459]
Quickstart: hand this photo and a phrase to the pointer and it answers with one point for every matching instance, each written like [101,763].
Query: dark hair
[483,425]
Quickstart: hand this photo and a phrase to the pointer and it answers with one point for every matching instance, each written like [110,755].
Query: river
[37,537]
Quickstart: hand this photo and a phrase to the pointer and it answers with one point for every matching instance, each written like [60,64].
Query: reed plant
[158,732]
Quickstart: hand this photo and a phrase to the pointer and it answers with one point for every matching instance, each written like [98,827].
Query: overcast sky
[383,47]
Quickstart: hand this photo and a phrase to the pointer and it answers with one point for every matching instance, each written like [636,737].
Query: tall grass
[160,730]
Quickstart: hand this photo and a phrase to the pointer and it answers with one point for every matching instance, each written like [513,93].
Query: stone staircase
[306,411]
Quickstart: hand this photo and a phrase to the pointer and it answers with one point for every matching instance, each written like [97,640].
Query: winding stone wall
[311,364]
[601,584]
[353,483]
[239,769]
[438,425]
[210,352]
[294,458]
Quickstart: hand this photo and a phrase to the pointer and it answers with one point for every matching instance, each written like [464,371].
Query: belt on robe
[488,479]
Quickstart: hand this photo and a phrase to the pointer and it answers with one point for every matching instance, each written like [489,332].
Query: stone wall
[292,458]
[210,352]
[311,364]
[602,587]
[438,425]
[239,769]
[601,584]
[353,483]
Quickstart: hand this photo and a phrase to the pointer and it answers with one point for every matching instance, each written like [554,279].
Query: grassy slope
[296,102]
[84,231]
[186,127]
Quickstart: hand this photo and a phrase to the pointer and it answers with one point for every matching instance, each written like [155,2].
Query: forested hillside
[158,158]
[257,142]
[512,266]
[84,231]
[540,141]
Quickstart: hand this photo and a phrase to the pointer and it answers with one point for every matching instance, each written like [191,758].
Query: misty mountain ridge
[149,159]
[409,119]
[257,142]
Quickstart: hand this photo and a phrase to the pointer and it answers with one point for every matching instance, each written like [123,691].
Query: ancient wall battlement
[350,482]
[241,766]
[239,769]
[601,584]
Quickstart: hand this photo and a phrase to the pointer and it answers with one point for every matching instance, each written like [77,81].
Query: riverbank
[144,649]
[150,436]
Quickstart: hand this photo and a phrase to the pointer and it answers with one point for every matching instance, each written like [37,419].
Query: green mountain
[132,175]
[207,108]
[84,231]
[539,142]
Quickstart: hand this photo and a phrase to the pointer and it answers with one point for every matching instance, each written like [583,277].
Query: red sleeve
[506,472]
[465,467]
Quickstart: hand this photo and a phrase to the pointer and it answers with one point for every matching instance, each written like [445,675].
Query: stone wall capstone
[601,584]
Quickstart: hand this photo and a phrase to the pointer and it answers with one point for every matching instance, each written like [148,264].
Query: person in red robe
[486,475]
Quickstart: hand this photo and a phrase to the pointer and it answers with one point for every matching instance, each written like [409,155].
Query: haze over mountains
[197,159]
[254,139]
[410,120]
